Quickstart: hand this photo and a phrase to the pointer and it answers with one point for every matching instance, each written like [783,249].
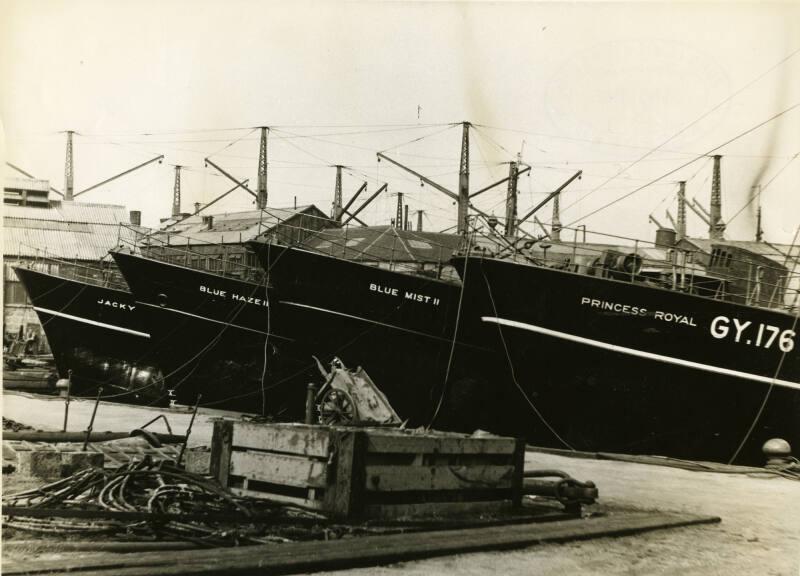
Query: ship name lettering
[383,289]
[249,299]
[761,335]
[675,318]
[422,298]
[614,306]
[213,291]
[114,304]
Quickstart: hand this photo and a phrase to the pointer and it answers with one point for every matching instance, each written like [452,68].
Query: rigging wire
[445,129]
[470,238]
[511,367]
[685,164]
[231,143]
[690,125]
[767,395]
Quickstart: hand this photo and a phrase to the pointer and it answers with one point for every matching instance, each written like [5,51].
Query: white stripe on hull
[367,320]
[207,319]
[641,353]
[92,322]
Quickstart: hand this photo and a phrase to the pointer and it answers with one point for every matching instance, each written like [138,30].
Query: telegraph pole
[261,190]
[68,169]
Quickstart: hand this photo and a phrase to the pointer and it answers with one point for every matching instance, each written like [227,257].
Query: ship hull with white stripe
[615,366]
[217,336]
[400,327]
[96,333]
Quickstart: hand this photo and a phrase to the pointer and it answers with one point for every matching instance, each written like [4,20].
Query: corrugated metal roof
[36,184]
[71,212]
[233,227]
[384,244]
[70,230]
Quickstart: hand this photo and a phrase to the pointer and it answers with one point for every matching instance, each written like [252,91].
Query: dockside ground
[759,533]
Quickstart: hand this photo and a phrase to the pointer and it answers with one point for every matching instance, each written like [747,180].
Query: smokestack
[759,230]
[681,231]
[419,220]
[135,218]
[716,227]
[405,221]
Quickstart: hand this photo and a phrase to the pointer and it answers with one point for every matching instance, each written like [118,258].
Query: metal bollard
[65,385]
[311,397]
[189,429]
[91,422]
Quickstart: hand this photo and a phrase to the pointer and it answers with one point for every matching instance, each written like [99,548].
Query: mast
[176,193]
[336,213]
[555,222]
[261,190]
[511,199]
[716,227]
[463,181]
[681,226]
[398,221]
[68,169]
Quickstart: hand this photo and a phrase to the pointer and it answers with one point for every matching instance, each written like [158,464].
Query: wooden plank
[394,478]
[435,509]
[316,505]
[279,469]
[304,557]
[221,437]
[344,495]
[418,443]
[287,438]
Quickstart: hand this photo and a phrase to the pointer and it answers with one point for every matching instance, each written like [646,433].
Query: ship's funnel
[666,238]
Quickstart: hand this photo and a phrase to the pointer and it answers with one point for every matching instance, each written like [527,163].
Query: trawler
[95,331]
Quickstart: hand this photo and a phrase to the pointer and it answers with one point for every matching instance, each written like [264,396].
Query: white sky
[589,86]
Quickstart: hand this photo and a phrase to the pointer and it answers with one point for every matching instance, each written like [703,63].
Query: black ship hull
[97,335]
[399,327]
[217,336]
[620,367]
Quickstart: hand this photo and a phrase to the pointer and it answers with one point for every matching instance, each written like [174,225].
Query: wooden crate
[368,472]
